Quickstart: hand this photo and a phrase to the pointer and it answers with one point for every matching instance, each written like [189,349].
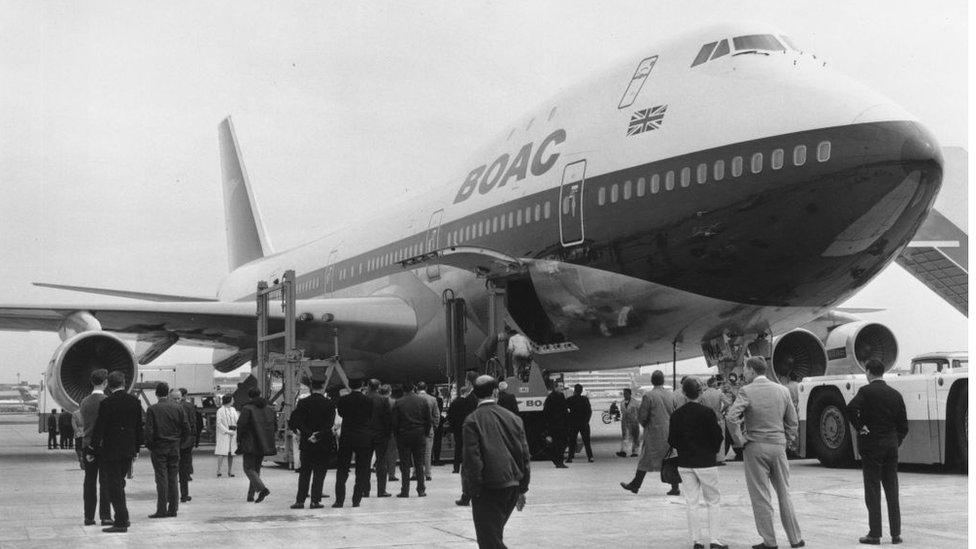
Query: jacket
[256,429]
[629,411]
[882,410]
[191,417]
[459,409]
[555,411]
[118,428]
[356,412]
[579,410]
[495,453]
[52,423]
[167,426]
[508,401]
[89,414]
[381,418]
[313,414]
[696,435]
[411,418]
[654,415]
[766,410]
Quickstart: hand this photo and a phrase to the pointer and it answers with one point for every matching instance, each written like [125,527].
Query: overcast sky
[108,116]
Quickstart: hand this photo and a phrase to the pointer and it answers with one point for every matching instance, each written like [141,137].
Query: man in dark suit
[380,428]
[507,400]
[580,412]
[312,420]
[556,413]
[94,492]
[496,464]
[878,413]
[411,423]
[116,440]
[52,429]
[167,427]
[354,439]
[66,430]
[457,411]
[186,447]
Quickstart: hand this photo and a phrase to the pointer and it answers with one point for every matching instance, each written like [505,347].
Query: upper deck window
[757,42]
[703,55]
[722,49]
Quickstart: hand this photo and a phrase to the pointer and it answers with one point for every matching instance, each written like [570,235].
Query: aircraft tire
[829,438]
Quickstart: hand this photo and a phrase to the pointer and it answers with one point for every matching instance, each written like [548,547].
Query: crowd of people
[686,430]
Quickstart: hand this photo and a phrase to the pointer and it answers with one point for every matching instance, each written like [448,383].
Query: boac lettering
[487,177]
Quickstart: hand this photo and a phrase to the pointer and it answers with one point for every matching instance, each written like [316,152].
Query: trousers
[185,470]
[765,464]
[382,470]
[411,453]
[490,511]
[630,436]
[252,469]
[364,455]
[94,494]
[166,466]
[582,430]
[880,468]
[701,490]
[113,473]
[312,472]
[558,435]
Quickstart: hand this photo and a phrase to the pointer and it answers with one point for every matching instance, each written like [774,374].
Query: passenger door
[430,244]
[571,203]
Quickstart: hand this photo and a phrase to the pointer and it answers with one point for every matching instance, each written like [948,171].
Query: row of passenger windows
[389,258]
[501,222]
[701,173]
[308,285]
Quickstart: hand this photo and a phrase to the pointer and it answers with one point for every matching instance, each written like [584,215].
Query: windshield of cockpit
[750,43]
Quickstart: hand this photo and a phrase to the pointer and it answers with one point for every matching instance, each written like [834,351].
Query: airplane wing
[938,257]
[368,325]
[123,293]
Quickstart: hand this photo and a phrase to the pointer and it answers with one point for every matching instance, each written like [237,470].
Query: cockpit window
[758,42]
[722,49]
[704,53]
[789,42]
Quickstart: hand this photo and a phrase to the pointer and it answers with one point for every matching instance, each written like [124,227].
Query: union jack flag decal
[646,120]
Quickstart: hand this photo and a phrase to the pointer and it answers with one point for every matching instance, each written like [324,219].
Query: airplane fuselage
[682,194]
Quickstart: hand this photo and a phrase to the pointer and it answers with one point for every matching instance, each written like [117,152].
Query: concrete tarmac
[582,506]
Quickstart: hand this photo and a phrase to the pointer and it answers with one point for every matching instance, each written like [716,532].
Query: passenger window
[737,166]
[722,49]
[565,205]
[823,151]
[685,176]
[614,193]
[528,214]
[628,186]
[655,183]
[703,54]
[756,163]
[641,187]
[538,212]
[799,155]
[776,162]
[494,225]
[718,172]
[669,180]
[601,196]
[511,219]
[518,216]
[547,210]
[501,223]
[702,173]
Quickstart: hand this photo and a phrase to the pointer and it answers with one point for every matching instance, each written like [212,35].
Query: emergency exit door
[571,203]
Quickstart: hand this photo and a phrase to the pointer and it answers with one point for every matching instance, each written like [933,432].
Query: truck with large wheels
[935,387]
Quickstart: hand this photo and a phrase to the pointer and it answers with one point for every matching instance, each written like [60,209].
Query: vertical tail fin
[246,238]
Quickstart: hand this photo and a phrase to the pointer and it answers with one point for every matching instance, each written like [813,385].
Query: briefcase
[669,468]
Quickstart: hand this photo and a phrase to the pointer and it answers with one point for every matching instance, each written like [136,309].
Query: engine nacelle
[71,366]
[851,345]
[798,354]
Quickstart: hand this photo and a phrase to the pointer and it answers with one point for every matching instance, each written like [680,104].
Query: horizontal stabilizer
[144,296]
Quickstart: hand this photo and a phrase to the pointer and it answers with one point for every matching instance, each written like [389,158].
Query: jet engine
[73,361]
[798,354]
[851,345]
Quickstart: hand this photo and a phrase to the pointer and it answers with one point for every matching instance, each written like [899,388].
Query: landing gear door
[571,204]
[433,233]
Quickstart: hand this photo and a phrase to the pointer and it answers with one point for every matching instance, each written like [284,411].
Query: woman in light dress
[226,443]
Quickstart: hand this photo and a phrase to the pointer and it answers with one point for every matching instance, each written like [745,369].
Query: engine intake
[70,368]
[851,345]
[798,354]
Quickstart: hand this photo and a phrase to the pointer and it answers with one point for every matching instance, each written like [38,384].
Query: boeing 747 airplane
[720,191]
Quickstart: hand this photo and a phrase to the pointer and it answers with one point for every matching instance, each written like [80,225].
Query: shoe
[116,530]
[108,522]
[89,522]
[570,460]
[674,492]
[383,495]
[561,466]
[297,505]
[220,475]
[720,464]
[869,540]
[714,545]
[455,471]
[800,543]
[589,460]
[231,475]
[261,495]
[427,478]
[355,504]
[403,495]
[250,499]
[173,514]
[158,515]
[895,540]
[392,479]
[421,494]
[628,487]
[622,454]
[698,546]
[462,502]
[316,505]
[337,505]
[762,545]
[413,478]
[633,455]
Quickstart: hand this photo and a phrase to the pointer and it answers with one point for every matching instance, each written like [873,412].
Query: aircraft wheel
[830,438]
